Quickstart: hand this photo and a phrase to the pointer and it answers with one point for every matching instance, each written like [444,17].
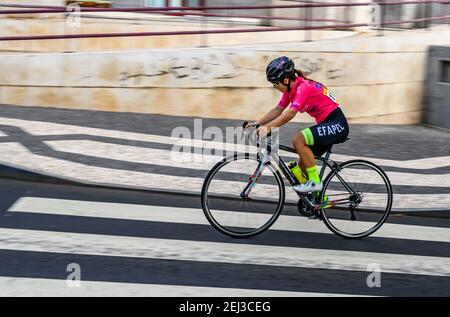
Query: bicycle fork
[252,181]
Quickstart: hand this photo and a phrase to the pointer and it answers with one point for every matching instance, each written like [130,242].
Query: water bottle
[297,171]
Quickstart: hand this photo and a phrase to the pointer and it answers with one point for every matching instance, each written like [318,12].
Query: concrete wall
[377,79]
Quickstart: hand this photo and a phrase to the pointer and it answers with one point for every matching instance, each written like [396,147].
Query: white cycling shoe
[307,187]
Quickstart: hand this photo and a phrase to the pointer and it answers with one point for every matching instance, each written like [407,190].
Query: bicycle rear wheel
[359,199]
[231,213]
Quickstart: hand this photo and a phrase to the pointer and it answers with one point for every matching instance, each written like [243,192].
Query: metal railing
[378,7]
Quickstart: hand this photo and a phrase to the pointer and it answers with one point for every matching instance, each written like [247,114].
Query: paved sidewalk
[136,150]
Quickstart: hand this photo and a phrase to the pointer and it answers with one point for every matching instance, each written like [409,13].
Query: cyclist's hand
[247,125]
[263,131]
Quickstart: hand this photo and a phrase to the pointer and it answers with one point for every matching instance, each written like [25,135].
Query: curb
[10,171]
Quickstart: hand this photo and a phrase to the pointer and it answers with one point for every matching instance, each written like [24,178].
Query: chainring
[303,209]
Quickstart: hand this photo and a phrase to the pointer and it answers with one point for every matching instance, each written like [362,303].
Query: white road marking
[81,208]
[120,246]
[40,287]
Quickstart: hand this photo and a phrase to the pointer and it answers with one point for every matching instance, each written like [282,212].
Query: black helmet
[279,69]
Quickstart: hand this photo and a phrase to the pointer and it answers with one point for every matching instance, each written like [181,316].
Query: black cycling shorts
[334,129]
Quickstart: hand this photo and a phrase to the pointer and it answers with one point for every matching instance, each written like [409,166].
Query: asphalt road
[130,243]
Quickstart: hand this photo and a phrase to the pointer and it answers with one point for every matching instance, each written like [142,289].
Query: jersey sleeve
[284,101]
[298,104]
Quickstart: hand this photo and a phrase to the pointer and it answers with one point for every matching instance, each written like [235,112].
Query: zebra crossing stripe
[218,252]
[32,287]
[195,216]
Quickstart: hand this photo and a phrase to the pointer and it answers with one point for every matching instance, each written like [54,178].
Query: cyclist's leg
[316,139]
[316,151]
[304,151]
[302,143]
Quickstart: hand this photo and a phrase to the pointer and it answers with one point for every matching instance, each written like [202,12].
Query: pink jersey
[310,97]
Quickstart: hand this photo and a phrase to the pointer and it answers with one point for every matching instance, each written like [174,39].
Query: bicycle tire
[223,229]
[385,213]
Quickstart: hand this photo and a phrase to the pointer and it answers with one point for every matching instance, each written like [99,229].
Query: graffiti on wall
[214,66]
[319,65]
[211,67]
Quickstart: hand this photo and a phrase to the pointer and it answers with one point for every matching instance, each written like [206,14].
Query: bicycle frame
[270,156]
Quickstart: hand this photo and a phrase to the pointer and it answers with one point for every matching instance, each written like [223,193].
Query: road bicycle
[244,194]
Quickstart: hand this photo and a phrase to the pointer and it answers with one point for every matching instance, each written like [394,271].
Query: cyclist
[304,95]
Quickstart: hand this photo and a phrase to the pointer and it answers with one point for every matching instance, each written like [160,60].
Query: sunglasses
[277,84]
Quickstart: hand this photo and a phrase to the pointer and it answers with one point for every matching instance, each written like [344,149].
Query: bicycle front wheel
[359,198]
[242,198]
